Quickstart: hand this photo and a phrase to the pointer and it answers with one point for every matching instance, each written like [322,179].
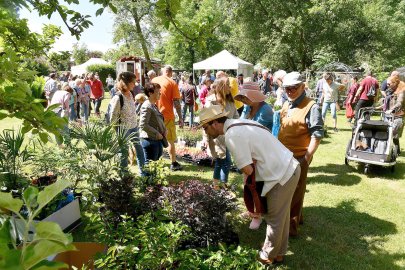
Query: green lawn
[352,220]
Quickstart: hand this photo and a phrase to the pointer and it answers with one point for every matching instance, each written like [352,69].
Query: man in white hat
[255,149]
[301,130]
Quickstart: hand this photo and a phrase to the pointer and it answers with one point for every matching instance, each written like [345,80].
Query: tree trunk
[142,38]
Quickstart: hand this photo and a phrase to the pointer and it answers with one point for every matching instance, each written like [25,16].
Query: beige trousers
[278,216]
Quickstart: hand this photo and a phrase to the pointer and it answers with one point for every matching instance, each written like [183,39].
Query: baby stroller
[372,141]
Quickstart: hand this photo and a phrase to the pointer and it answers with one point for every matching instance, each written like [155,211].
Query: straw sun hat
[210,113]
[251,90]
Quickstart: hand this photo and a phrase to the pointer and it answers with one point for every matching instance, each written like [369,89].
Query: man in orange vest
[301,131]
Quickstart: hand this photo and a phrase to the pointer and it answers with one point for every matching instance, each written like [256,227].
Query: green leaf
[38,100]
[99,11]
[10,259]
[5,236]
[39,251]
[44,137]
[30,197]
[48,265]
[50,192]
[8,202]
[51,231]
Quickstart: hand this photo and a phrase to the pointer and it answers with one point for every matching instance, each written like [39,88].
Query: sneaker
[335,130]
[176,166]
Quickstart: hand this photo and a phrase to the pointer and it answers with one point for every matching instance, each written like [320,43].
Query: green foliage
[48,239]
[103,71]
[37,87]
[17,43]
[60,60]
[157,174]
[136,27]
[79,53]
[295,35]
[195,29]
[13,154]
[222,258]
[190,136]
[144,244]
[113,55]
[98,160]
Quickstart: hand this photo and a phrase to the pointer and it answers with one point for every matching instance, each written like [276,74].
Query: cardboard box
[84,255]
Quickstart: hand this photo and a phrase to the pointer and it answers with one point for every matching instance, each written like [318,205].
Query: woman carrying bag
[151,124]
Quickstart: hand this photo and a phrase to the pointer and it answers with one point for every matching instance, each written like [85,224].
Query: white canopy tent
[224,60]
[80,69]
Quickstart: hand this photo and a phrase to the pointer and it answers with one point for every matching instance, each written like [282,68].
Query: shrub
[232,257]
[103,71]
[199,206]
[142,244]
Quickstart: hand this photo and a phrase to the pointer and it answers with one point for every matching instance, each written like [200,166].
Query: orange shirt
[168,91]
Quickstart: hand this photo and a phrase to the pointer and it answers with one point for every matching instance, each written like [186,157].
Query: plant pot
[84,255]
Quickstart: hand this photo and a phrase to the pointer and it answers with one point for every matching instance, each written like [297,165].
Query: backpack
[372,91]
[107,115]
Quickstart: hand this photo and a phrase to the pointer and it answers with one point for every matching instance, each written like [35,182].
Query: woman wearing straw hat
[255,107]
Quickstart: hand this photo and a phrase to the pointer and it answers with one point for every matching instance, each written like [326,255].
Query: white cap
[292,78]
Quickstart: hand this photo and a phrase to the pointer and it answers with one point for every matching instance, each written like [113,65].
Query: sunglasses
[292,88]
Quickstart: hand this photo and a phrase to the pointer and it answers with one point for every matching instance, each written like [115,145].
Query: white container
[68,218]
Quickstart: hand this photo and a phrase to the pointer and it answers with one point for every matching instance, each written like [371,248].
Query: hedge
[103,70]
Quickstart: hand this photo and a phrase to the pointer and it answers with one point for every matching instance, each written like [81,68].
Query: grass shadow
[333,238]
[342,238]
[325,141]
[383,172]
[333,174]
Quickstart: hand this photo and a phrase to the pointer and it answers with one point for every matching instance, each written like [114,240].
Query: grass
[352,220]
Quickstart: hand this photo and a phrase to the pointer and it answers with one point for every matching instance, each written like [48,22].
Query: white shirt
[62,98]
[275,164]
[331,91]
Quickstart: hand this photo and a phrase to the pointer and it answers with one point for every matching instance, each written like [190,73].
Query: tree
[134,25]
[289,34]
[195,30]
[79,53]
[95,54]
[60,61]
[17,45]
[112,55]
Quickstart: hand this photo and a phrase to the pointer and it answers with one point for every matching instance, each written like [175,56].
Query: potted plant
[31,251]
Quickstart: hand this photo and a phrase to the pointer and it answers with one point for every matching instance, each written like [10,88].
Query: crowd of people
[236,120]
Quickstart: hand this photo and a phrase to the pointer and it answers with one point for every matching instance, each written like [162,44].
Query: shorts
[171,130]
[326,105]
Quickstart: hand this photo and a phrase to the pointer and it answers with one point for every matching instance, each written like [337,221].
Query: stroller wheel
[346,162]
[393,168]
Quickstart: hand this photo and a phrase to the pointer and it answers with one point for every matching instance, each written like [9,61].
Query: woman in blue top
[255,107]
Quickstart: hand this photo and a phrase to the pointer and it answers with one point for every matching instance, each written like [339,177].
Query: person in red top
[97,92]
[350,100]
[169,98]
[361,94]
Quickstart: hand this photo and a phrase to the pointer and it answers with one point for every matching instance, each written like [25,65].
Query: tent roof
[80,69]
[222,60]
